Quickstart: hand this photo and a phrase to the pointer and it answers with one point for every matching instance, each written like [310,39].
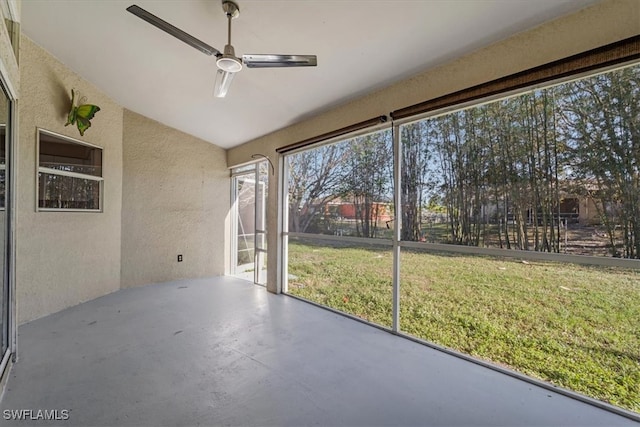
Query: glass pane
[574,326]
[5,118]
[13,29]
[3,154]
[3,183]
[552,170]
[246,168]
[350,277]
[60,154]
[261,268]
[3,165]
[261,211]
[246,228]
[64,192]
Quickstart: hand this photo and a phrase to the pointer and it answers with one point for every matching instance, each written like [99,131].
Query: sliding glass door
[4,279]
[5,291]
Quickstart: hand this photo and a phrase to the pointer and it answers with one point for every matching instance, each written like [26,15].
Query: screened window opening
[69,174]
[507,231]
[340,222]
[551,170]
[344,188]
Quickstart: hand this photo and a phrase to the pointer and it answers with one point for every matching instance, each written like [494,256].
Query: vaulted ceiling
[361,46]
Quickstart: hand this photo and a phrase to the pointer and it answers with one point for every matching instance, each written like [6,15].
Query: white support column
[256,194]
[283,224]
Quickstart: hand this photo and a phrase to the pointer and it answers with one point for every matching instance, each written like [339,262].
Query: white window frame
[51,171]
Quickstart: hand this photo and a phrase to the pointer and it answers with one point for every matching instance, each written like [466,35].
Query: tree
[315,178]
[601,123]
[414,175]
[368,179]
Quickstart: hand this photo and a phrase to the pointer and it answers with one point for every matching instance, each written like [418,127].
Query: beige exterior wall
[599,25]
[64,258]
[589,212]
[165,193]
[176,191]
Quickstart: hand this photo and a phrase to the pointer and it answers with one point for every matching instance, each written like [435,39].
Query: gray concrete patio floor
[224,352]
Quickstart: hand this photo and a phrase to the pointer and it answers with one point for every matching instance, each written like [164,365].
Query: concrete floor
[224,352]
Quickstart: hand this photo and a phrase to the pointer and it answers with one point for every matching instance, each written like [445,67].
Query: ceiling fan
[228,63]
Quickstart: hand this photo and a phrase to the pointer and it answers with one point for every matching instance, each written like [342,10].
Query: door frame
[9,78]
[253,174]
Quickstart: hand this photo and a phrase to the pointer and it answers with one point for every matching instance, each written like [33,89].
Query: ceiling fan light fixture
[223,81]
[230,64]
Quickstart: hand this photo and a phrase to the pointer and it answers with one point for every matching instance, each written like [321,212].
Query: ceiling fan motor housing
[228,61]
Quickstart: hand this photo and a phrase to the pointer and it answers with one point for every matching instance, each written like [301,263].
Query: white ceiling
[361,46]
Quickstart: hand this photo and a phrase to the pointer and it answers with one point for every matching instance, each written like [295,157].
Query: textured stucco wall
[175,201]
[64,258]
[595,26]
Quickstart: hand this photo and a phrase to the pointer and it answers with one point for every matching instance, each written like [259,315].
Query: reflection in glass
[246,227]
[13,29]
[65,192]
[3,166]
[69,174]
[4,187]
[59,154]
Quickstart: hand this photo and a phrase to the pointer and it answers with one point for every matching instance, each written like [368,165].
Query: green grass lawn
[574,326]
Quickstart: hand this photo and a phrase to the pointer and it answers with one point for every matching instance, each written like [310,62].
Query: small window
[69,174]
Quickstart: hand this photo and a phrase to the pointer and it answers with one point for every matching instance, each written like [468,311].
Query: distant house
[590,202]
[576,208]
[380,211]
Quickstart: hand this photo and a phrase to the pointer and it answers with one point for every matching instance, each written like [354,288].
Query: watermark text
[36,414]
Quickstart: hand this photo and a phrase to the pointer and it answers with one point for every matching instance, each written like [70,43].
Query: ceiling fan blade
[268,61]
[174,31]
[223,81]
